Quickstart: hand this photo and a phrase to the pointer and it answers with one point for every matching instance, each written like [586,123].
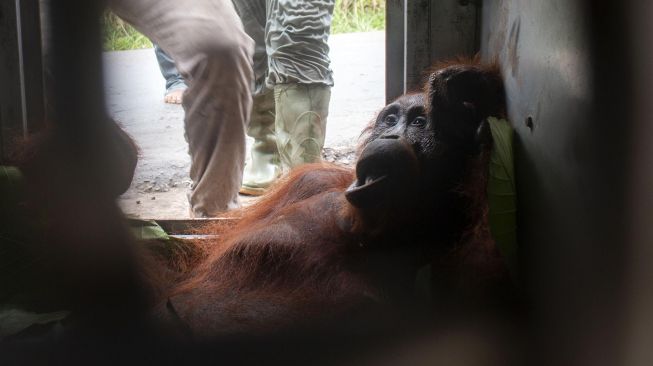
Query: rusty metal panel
[21,95]
[566,70]
[438,30]
[422,32]
[32,61]
[639,272]
[394,49]
[78,102]
[453,29]
[11,125]
[418,45]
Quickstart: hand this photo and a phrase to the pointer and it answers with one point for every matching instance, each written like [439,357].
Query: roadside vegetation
[120,36]
[352,16]
[349,16]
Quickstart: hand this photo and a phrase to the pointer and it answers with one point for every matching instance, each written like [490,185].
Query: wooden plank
[195,237]
[189,226]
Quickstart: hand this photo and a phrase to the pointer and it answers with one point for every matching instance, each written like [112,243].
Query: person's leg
[299,71]
[300,122]
[175,85]
[214,55]
[264,167]
[253,15]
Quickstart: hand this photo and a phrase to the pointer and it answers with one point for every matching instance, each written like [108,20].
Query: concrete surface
[134,88]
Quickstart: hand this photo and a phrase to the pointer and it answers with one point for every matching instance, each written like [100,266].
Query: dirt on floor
[167,197]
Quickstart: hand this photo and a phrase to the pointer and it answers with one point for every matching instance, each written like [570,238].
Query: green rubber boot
[300,122]
[264,167]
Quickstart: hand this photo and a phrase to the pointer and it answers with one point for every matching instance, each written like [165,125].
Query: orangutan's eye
[419,121]
[391,119]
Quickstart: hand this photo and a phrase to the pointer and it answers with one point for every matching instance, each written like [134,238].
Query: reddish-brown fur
[283,262]
[305,255]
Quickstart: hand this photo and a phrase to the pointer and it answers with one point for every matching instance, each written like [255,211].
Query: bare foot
[174,96]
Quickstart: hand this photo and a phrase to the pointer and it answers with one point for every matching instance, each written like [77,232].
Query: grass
[348,16]
[120,36]
[358,16]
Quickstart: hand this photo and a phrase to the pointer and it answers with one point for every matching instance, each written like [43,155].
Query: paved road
[135,89]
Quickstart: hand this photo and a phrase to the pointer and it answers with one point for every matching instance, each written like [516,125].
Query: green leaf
[147,230]
[16,229]
[13,321]
[11,185]
[502,197]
